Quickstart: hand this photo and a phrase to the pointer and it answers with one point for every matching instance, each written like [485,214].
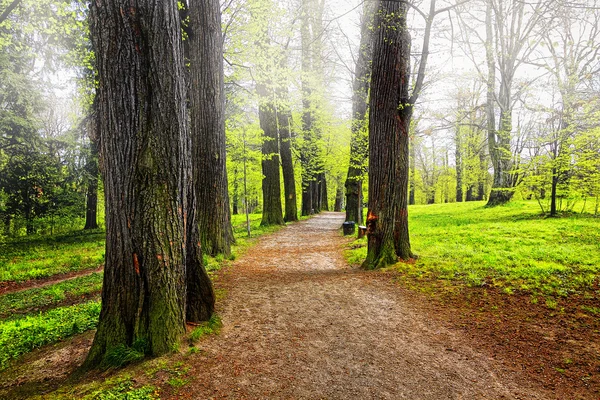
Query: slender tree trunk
[207,115]
[287,166]
[323,200]
[413,172]
[339,196]
[146,166]
[236,192]
[389,123]
[359,140]
[271,186]
[91,206]
[459,165]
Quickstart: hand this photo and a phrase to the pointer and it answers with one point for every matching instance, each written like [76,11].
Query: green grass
[31,258]
[510,246]
[30,300]
[210,327]
[23,335]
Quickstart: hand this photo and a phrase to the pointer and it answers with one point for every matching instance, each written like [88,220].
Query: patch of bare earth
[298,323]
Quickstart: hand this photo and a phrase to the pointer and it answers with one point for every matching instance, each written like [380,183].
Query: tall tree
[359,139]
[146,153]
[207,116]
[287,166]
[314,185]
[390,113]
[271,187]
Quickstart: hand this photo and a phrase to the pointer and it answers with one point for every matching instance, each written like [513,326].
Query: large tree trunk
[389,123]
[271,186]
[287,165]
[359,140]
[91,206]
[146,156]
[207,116]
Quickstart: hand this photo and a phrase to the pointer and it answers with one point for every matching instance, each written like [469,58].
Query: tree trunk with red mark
[389,121]
[145,152]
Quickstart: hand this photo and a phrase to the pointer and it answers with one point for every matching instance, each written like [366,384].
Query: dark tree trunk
[359,140]
[236,192]
[6,219]
[553,192]
[339,197]
[287,166]
[323,200]
[413,172]
[146,166]
[91,206]
[207,116]
[389,123]
[312,74]
[459,165]
[271,186]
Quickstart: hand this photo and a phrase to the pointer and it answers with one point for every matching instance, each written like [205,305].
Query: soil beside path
[299,323]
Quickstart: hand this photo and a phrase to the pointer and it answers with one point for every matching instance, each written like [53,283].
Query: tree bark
[146,165]
[287,165]
[389,123]
[207,116]
[359,139]
[271,186]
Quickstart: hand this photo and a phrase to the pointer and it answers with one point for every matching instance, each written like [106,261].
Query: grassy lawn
[512,247]
[39,257]
[12,305]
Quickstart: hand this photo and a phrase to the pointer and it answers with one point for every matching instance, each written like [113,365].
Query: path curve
[299,323]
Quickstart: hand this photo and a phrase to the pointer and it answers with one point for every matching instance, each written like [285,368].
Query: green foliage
[25,334]
[36,257]
[511,247]
[30,300]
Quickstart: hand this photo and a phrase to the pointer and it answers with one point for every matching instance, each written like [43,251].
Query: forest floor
[298,322]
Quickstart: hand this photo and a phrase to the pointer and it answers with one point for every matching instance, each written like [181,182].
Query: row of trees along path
[299,323]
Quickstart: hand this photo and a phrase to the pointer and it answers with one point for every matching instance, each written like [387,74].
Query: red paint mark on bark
[371,222]
[159,257]
[136,263]
[404,213]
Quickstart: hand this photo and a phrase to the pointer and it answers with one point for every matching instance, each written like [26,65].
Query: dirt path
[298,323]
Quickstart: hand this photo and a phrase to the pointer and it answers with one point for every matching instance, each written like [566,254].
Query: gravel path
[299,323]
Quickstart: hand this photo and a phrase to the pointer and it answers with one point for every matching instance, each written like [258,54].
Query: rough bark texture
[207,116]
[389,122]
[359,139]
[287,165]
[271,186]
[145,162]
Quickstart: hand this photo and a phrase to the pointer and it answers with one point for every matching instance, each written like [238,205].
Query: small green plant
[211,327]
